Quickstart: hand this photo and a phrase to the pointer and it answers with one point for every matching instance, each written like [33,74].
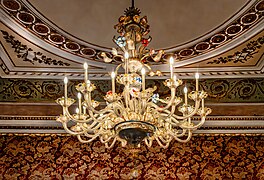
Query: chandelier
[137,114]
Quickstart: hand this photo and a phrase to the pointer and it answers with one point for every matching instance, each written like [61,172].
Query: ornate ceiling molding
[26,20]
[219,90]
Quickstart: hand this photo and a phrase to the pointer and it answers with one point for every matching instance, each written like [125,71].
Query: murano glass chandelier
[137,114]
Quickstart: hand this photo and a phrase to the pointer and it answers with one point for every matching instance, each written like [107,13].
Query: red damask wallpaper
[63,157]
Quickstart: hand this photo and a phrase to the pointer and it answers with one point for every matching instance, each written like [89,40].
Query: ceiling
[172,22]
[199,34]
[221,39]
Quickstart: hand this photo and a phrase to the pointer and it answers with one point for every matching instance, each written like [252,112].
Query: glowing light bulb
[85,65]
[185,90]
[196,75]
[65,80]
[143,71]
[79,95]
[126,55]
[113,75]
[171,60]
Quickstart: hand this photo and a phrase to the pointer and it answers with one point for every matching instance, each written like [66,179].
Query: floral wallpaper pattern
[64,157]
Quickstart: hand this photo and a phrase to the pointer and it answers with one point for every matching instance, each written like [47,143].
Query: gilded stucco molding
[247,90]
[213,125]
[26,15]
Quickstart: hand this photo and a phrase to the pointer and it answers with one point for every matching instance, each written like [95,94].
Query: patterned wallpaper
[63,157]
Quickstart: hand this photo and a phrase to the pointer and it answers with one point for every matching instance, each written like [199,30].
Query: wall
[63,157]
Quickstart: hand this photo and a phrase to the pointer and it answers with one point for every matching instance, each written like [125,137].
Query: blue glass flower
[155,98]
[138,79]
[120,41]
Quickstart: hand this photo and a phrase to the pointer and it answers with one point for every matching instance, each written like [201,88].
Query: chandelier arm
[121,107]
[90,107]
[143,105]
[105,140]
[164,146]
[174,122]
[184,140]
[67,114]
[87,120]
[148,141]
[86,141]
[164,140]
[131,104]
[167,106]
[197,104]
[88,135]
[177,134]
[126,95]
[64,124]
[101,116]
[173,108]
[199,124]
[147,66]
[117,68]
[123,142]
[112,144]
[92,111]
[93,126]
[90,125]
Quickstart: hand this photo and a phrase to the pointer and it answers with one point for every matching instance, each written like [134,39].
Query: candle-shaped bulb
[77,110]
[171,60]
[197,75]
[79,102]
[143,71]
[79,95]
[113,82]
[85,66]
[65,90]
[174,78]
[185,90]
[126,55]
[113,75]
[196,81]
[65,80]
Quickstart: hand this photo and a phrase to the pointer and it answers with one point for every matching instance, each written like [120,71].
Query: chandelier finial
[133,4]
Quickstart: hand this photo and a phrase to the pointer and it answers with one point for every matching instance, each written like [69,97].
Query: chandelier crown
[132,21]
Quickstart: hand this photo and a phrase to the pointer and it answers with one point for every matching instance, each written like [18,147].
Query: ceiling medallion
[136,114]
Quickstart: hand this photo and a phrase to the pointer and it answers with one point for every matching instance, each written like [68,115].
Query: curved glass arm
[87,141]
[161,144]
[112,144]
[148,141]
[177,134]
[184,140]
[197,105]
[70,131]
[169,102]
